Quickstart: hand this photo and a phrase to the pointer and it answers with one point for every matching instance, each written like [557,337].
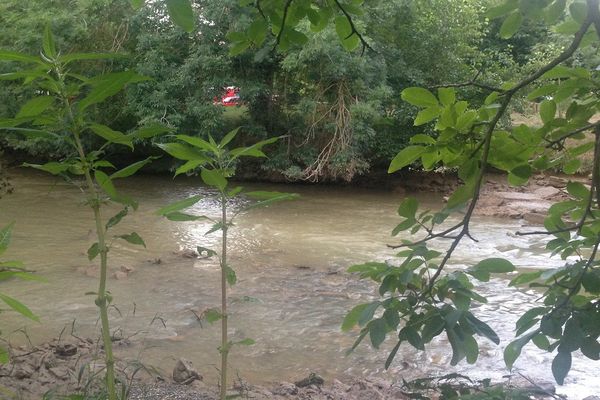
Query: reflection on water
[292,290]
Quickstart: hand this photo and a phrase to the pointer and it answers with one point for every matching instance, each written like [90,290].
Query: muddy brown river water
[292,290]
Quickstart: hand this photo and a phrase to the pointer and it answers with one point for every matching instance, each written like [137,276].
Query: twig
[552,143]
[354,31]
[288,3]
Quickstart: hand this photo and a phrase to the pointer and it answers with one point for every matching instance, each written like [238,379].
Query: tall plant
[217,164]
[63,109]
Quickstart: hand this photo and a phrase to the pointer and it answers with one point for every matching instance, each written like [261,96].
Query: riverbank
[74,365]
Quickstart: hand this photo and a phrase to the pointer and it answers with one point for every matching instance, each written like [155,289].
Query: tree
[420,300]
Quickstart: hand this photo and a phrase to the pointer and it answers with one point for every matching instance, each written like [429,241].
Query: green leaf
[7,55]
[183,217]
[408,208]
[189,166]
[4,355]
[254,150]
[179,205]
[199,143]
[561,365]
[513,350]
[106,184]
[525,278]
[228,138]
[111,135]
[419,97]
[269,198]
[108,85]
[48,43]
[52,167]
[351,319]
[35,106]
[495,265]
[181,13]
[93,251]
[183,152]
[447,96]
[481,328]
[547,111]
[5,236]
[246,342]
[133,238]
[426,115]
[150,131]
[117,218]
[572,166]
[502,9]
[511,25]
[343,27]
[555,11]
[215,178]
[257,32]
[412,336]
[205,252]
[406,157]
[377,332]
[212,315]
[577,190]
[130,170]
[460,196]
[230,275]
[18,307]
[578,11]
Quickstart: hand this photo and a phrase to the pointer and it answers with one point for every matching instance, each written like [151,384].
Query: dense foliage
[341,110]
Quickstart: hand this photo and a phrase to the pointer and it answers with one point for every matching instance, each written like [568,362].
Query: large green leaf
[111,135]
[52,167]
[199,143]
[511,25]
[150,131]
[106,184]
[420,97]
[179,205]
[406,157]
[181,13]
[215,178]
[132,169]
[133,238]
[108,85]
[18,307]
[183,152]
[48,43]
[8,55]
[35,106]
[561,365]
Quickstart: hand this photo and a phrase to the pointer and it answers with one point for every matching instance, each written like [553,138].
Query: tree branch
[554,142]
[286,7]
[354,31]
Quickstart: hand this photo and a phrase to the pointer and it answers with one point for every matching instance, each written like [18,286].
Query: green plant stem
[101,300]
[224,338]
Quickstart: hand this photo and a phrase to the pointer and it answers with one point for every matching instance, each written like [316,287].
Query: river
[292,290]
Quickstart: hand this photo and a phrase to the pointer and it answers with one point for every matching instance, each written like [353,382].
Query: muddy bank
[73,365]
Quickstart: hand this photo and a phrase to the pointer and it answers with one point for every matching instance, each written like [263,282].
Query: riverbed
[292,291]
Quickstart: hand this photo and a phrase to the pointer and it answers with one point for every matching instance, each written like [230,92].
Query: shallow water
[292,290]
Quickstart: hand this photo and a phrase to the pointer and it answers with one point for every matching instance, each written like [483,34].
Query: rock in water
[313,379]
[184,372]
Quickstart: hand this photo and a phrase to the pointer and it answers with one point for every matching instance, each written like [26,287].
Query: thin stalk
[101,300]
[224,336]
